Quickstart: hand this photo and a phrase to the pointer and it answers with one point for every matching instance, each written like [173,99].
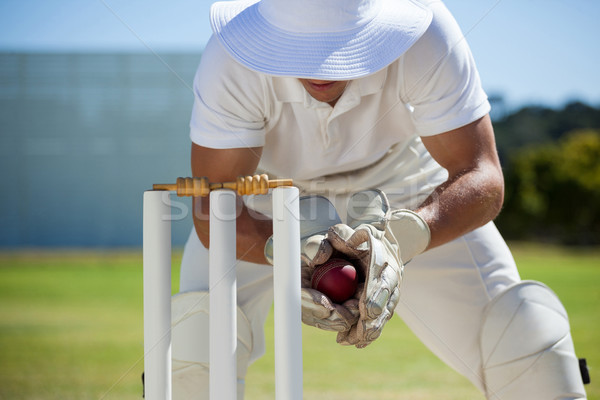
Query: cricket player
[376,110]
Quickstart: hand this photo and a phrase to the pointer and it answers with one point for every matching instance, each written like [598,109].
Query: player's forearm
[252,231]
[464,202]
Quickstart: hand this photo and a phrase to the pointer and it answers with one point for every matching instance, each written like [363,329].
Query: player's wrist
[406,227]
[411,231]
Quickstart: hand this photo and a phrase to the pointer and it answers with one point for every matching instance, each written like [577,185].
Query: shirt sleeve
[228,110]
[440,79]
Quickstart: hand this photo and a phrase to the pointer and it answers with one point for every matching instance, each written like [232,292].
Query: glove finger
[319,311]
[315,303]
[342,338]
[359,237]
[330,324]
[338,236]
[323,254]
[348,312]
[335,323]
[310,245]
[341,230]
[370,325]
[380,292]
[316,250]
[305,275]
[374,304]
[352,306]
[370,330]
[348,338]
[394,300]
[363,333]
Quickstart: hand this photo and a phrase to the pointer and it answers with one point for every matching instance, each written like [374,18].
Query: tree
[538,125]
[553,191]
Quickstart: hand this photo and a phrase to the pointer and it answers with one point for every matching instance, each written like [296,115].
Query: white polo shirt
[433,88]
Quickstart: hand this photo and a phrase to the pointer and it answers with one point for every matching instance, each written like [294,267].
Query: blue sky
[532,51]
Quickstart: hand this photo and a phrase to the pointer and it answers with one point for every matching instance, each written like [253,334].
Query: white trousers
[444,292]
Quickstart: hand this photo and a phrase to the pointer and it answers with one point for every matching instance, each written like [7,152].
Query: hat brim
[350,54]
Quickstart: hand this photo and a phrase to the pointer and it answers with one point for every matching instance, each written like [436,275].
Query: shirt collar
[290,90]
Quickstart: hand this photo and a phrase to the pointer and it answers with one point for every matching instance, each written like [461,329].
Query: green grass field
[71,328]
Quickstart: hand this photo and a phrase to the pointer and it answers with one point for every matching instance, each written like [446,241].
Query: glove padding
[317,214]
[369,240]
[319,311]
[410,230]
[378,262]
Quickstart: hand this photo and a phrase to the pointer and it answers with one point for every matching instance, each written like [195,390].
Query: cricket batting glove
[369,241]
[317,215]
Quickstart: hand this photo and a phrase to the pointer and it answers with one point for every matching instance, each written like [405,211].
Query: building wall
[82,136]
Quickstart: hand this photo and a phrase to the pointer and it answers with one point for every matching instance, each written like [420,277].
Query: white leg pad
[190,346]
[526,346]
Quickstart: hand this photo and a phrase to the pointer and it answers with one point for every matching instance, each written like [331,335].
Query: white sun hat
[318,39]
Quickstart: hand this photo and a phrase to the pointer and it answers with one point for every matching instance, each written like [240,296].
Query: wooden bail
[244,185]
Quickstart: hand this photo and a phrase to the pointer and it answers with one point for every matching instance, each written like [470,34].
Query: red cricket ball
[336,278]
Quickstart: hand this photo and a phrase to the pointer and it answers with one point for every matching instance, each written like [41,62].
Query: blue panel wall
[82,136]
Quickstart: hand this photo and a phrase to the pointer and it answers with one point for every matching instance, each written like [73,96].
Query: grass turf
[71,328]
